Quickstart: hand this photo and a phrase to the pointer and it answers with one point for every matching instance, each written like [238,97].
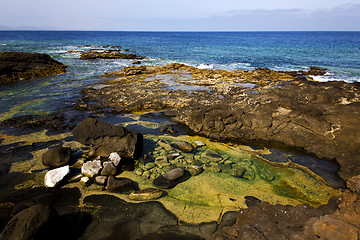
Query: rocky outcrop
[318,117]
[258,106]
[109,138]
[19,65]
[332,221]
[109,54]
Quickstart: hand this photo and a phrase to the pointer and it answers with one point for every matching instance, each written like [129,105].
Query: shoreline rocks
[318,117]
[107,138]
[110,54]
[16,66]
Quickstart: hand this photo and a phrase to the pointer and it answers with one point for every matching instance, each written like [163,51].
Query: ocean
[339,52]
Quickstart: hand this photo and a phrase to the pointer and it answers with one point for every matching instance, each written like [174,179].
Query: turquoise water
[337,51]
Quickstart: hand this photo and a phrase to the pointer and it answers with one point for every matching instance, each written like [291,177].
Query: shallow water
[204,197]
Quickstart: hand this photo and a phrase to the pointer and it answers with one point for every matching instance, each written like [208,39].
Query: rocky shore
[262,105]
[106,181]
[16,66]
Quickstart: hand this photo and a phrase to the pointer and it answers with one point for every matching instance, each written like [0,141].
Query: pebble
[146,174]
[75,178]
[85,181]
[115,158]
[139,171]
[194,170]
[109,169]
[184,146]
[91,168]
[54,177]
[249,175]
[173,155]
[146,194]
[170,178]
[101,180]
[198,143]
[237,172]
[211,168]
[211,156]
[149,166]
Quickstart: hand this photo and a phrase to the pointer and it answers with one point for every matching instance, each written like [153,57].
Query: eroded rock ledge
[19,65]
[261,105]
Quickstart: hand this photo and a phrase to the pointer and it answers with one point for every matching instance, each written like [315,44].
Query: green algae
[204,197]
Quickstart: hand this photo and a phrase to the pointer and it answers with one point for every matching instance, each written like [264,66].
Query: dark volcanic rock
[108,55]
[318,117]
[109,169]
[110,138]
[18,65]
[266,221]
[29,223]
[52,122]
[57,157]
[119,184]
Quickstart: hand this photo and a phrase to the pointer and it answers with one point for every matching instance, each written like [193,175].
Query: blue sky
[188,15]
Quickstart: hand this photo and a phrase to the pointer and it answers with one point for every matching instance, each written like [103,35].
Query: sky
[184,15]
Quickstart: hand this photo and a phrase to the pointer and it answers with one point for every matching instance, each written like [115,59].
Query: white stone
[115,158]
[85,181]
[91,168]
[53,177]
[198,143]
[101,180]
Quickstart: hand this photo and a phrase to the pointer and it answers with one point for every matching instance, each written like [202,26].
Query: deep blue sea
[339,52]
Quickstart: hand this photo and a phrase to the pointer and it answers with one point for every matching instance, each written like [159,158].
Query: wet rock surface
[332,221]
[320,117]
[19,65]
[29,223]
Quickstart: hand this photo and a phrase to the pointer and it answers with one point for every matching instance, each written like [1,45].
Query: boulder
[19,65]
[170,178]
[110,138]
[119,184]
[54,177]
[57,157]
[29,224]
[146,194]
[91,168]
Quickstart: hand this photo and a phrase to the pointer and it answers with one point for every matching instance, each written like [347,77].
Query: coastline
[221,109]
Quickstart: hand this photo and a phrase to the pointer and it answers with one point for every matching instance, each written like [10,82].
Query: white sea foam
[3,44]
[205,66]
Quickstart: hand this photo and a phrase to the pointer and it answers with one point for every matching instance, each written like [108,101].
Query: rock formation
[19,65]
